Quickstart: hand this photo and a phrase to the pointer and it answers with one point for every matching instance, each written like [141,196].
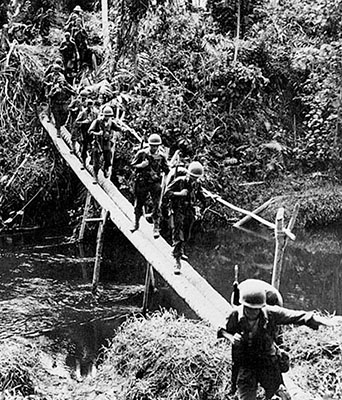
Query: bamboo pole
[149,286]
[251,214]
[279,248]
[84,217]
[105,29]
[99,247]
[238,28]
[256,211]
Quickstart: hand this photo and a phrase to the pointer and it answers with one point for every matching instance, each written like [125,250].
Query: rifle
[174,161]
[236,291]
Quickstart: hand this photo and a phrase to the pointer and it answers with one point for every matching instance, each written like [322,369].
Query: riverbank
[167,357]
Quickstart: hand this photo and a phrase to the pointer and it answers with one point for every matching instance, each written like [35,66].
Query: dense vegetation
[264,108]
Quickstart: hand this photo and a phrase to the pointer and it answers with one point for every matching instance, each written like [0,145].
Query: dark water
[46,282]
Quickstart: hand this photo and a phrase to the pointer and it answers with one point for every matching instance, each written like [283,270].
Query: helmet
[195,169]
[59,61]
[84,93]
[108,111]
[154,139]
[78,8]
[252,293]
[57,67]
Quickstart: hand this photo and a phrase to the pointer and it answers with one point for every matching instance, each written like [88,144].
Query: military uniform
[70,56]
[148,181]
[83,122]
[257,353]
[183,212]
[58,98]
[105,133]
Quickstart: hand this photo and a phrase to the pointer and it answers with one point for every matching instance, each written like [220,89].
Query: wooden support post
[85,214]
[279,248]
[149,286]
[246,218]
[99,247]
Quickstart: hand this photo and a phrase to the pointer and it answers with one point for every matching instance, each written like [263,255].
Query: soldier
[52,74]
[183,193]
[75,15]
[80,38]
[70,56]
[105,134]
[251,329]
[45,25]
[149,164]
[83,122]
[58,98]
[75,107]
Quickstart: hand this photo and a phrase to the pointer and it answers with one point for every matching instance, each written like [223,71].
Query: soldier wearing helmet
[251,328]
[58,98]
[105,133]
[83,121]
[75,107]
[183,193]
[149,164]
[53,73]
[74,19]
[70,56]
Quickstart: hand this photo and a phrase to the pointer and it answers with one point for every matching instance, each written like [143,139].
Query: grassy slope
[168,357]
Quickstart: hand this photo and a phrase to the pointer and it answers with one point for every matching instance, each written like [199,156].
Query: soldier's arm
[175,189]
[165,166]
[93,129]
[231,330]
[285,316]
[140,160]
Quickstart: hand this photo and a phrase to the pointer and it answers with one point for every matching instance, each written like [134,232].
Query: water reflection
[312,271]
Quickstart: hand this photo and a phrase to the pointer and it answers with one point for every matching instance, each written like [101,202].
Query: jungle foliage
[275,110]
[264,111]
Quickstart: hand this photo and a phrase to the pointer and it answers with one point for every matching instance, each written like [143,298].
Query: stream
[45,282]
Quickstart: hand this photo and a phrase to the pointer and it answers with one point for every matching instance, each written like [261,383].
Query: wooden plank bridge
[201,297]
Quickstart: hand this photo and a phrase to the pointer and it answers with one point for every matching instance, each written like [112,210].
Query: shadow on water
[45,282]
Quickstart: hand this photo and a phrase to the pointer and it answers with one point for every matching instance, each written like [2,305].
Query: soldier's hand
[237,338]
[144,164]
[183,193]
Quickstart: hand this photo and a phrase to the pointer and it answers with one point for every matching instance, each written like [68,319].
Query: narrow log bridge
[201,297]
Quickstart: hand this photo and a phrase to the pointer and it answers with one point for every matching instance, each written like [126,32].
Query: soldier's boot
[177,266]
[106,173]
[58,132]
[96,172]
[73,147]
[282,394]
[156,229]
[136,224]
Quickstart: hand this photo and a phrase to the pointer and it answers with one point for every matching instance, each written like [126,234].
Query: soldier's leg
[84,145]
[141,192]
[270,378]
[107,155]
[155,192]
[96,157]
[57,117]
[247,383]
[178,238]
